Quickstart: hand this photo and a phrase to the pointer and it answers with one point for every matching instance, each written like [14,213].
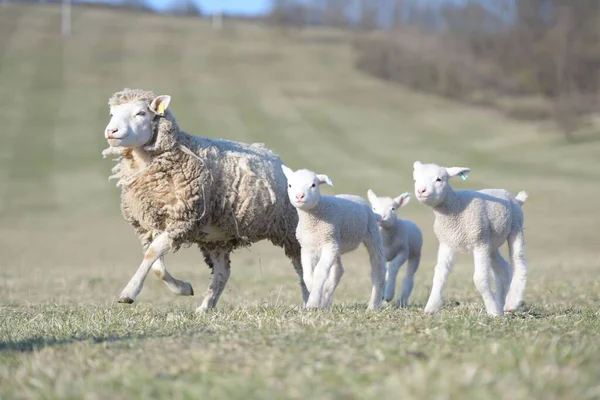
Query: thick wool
[478,222]
[330,227]
[217,194]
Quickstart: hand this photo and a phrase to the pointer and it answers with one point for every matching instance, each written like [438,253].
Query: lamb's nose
[111,131]
[421,191]
[299,196]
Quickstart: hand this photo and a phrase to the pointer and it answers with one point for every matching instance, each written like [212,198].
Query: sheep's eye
[313,185]
[141,113]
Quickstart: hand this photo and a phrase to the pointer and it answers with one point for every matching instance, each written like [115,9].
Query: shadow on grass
[39,342]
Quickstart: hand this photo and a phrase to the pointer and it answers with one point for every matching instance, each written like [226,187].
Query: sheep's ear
[287,171]
[371,196]
[461,171]
[160,104]
[324,179]
[402,200]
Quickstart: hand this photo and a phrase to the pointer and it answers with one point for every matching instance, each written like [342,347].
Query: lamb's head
[387,207]
[132,113]
[432,182]
[303,187]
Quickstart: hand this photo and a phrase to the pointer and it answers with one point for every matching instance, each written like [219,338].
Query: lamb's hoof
[187,290]
[125,300]
[512,307]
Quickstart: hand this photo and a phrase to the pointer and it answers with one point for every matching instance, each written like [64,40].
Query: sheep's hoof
[125,300]
[187,289]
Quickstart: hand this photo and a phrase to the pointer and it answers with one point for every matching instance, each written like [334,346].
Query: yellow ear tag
[161,109]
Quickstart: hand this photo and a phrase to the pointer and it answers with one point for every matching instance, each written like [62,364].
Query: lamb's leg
[218,261]
[409,279]
[333,280]
[159,246]
[445,262]
[481,278]
[391,274]
[374,247]
[329,253]
[308,265]
[502,275]
[297,263]
[175,285]
[516,248]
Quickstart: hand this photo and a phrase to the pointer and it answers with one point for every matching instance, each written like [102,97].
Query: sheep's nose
[111,131]
[299,196]
[421,191]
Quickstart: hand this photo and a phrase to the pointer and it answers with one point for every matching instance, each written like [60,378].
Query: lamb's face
[303,187]
[387,207]
[131,123]
[432,182]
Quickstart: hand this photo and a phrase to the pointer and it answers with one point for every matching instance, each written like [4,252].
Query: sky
[228,6]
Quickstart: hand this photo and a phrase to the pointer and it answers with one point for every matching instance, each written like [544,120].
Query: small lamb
[402,241]
[478,222]
[329,226]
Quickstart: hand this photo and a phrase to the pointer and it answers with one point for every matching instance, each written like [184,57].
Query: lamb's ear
[402,200]
[324,179]
[371,196]
[287,171]
[462,171]
[160,104]
[417,164]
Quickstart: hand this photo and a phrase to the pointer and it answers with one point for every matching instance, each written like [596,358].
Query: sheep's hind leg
[481,278]
[409,280]
[516,248]
[502,275]
[159,246]
[218,261]
[297,263]
[176,286]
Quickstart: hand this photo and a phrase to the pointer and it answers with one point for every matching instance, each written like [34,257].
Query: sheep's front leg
[333,280]
[481,278]
[176,286]
[329,253]
[159,246]
[308,258]
[296,261]
[392,269]
[219,262]
[445,261]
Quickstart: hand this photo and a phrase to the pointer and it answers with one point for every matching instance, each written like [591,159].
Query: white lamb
[478,222]
[329,226]
[402,241]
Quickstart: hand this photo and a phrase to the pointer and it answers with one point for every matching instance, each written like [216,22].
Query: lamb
[478,222]
[402,241]
[328,227]
[179,190]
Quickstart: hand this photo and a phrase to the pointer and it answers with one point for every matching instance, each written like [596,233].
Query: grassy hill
[67,252]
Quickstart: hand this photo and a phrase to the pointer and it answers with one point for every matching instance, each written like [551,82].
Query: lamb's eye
[393,208]
[438,180]
[110,114]
[141,113]
[289,186]
[414,181]
[313,185]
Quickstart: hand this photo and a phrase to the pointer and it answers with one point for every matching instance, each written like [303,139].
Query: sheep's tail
[521,197]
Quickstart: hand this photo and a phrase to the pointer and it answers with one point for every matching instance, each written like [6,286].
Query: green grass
[67,253]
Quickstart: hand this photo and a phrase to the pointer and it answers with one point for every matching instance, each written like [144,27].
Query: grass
[67,253]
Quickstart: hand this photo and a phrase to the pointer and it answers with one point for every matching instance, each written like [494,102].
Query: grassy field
[67,253]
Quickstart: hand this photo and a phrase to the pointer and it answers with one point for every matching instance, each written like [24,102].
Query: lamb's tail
[521,197]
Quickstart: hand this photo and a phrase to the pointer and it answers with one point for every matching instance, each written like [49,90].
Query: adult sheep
[179,189]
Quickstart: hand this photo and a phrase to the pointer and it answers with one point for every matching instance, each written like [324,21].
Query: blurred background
[356,89]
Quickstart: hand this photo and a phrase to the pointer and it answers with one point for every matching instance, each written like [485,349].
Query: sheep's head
[303,187]
[131,117]
[432,181]
[386,207]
